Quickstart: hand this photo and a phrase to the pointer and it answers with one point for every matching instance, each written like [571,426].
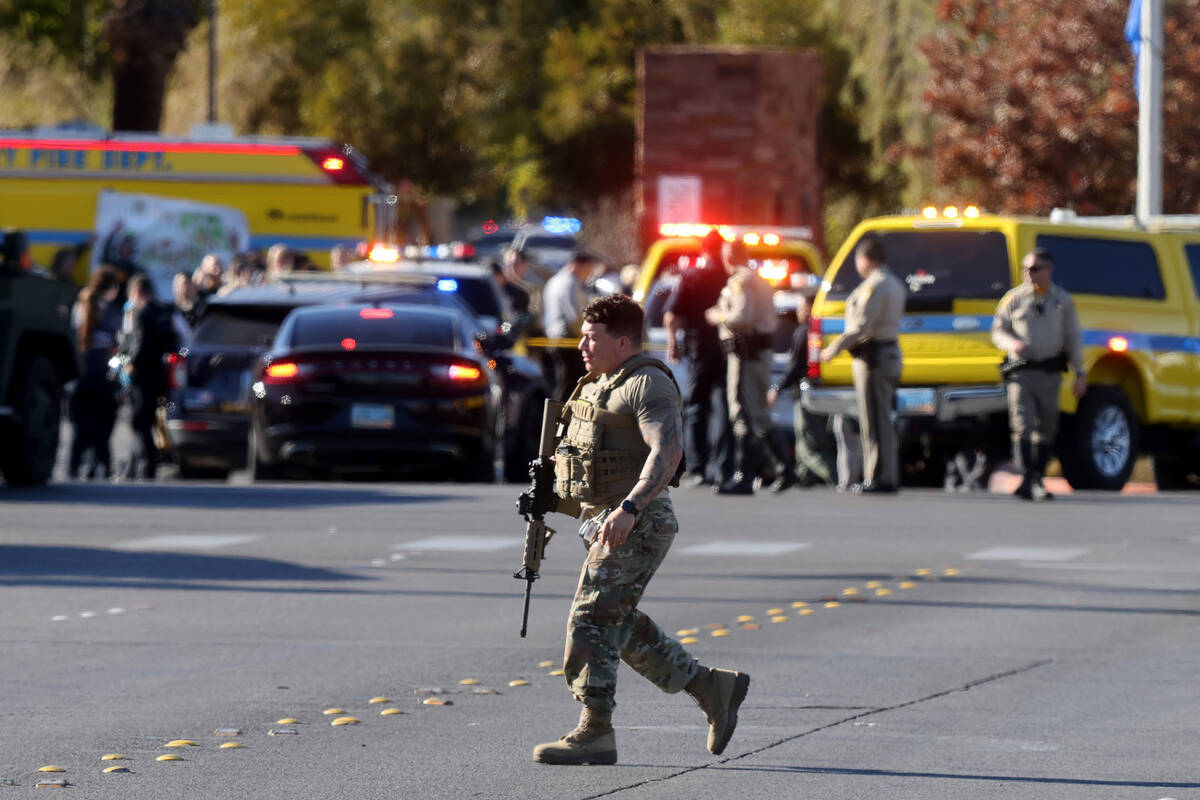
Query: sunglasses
[1035,268]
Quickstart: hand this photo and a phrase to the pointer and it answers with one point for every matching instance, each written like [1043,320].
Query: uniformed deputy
[745,318]
[620,451]
[1037,327]
[873,313]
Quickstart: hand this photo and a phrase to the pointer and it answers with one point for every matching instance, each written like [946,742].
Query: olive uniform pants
[749,382]
[1033,405]
[606,627]
[875,390]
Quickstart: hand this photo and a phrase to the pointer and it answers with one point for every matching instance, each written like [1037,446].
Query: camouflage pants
[605,626]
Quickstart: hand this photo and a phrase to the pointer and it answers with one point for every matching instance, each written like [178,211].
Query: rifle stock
[535,502]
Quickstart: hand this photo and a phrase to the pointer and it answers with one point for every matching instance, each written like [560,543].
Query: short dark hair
[582,257]
[620,315]
[711,244]
[1043,255]
[870,248]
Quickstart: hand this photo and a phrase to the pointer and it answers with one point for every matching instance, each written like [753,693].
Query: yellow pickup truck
[1137,290]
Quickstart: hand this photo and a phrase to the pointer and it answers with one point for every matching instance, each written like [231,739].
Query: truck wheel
[1102,441]
[37,401]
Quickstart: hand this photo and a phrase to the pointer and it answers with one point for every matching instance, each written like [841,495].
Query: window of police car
[372,327]
[246,326]
[937,267]
[1108,267]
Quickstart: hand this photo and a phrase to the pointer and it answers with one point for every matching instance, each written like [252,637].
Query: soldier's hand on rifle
[616,528]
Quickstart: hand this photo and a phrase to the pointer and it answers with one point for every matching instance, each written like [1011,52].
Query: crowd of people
[125,334]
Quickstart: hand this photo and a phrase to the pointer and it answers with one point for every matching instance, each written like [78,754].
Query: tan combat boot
[592,742]
[720,693]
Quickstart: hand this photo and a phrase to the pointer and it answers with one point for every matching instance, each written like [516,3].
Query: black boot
[1025,463]
[745,467]
[786,478]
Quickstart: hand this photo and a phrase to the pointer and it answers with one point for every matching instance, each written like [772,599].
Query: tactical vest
[602,453]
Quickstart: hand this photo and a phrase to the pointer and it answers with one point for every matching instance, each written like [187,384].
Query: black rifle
[535,502]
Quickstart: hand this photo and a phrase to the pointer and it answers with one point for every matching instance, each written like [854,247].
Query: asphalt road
[927,645]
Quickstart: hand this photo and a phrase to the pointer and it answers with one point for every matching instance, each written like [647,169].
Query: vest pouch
[574,477]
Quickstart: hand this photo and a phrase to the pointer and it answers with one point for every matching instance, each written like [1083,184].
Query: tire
[480,468]
[258,469]
[187,472]
[521,446]
[28,458]
[1102,441]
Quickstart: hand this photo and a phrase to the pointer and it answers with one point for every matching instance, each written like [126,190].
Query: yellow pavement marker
[112,757]
[331,711]
[468,682]
[169,757]
[780,618]
[181,743]
[804,612]
[774,612]
[116,768]
[907,585]
[51,768]
[881,592]
[720,632]
[557,672]
[380,700]
[688,640]
[687,632]
[287,721]
[231,746]
[850,591]
[518,682]
[950,573]
[745,618]
[874,584]
[923,571]
[749,626]
[346,721]
[799,604]
[390,712]
[833,604]
[547,663]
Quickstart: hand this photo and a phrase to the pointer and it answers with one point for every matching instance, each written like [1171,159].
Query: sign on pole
[678,198]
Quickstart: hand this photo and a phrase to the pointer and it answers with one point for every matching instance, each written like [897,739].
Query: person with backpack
[149,337]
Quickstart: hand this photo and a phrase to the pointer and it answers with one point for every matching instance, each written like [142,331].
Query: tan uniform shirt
[873,311]
[1046,324]
[747,305]
[651,398]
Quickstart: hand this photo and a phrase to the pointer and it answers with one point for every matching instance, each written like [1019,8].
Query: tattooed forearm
[666,448]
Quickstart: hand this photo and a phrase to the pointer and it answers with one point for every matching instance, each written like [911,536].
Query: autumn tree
[1036,107]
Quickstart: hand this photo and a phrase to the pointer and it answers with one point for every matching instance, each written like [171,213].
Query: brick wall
[744,120]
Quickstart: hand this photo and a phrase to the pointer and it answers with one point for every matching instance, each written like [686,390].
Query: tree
[1036,108]
[144,39]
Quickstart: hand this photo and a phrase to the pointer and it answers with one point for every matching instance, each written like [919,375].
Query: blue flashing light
[561,224]
[447,285]
[442,251]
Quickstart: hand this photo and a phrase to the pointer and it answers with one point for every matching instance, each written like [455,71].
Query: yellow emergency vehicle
[310,194]
[1136,291]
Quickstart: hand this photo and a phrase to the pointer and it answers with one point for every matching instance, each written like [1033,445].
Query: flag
[1133,35]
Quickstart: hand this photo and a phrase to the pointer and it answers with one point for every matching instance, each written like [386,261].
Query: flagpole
[1150,76]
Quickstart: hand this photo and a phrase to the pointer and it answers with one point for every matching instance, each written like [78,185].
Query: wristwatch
[628,507]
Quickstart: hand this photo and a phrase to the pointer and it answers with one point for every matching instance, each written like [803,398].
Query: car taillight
[284,372]
[176,371]
[814,348]
[461,374]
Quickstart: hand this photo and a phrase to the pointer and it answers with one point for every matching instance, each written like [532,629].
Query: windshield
[403,327]
[937,266]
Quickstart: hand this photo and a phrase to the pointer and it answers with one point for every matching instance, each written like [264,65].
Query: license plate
[368,415]
[916,401]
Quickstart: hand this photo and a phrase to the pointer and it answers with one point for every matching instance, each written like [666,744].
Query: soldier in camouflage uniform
[620,451]
[1037,327]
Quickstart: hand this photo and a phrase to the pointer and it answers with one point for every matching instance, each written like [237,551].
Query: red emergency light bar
[770,236]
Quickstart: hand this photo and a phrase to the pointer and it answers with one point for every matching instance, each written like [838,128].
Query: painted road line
[210,541]
[1028,554]
[478,544]
[744,548]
